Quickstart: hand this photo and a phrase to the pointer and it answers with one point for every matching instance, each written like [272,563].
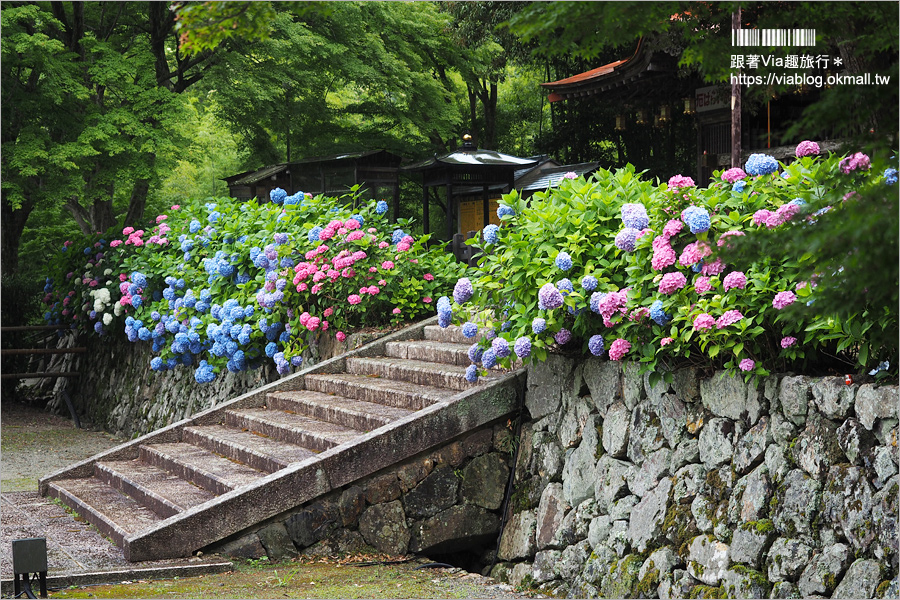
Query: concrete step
[399,394]
[349,412]
[414,371]
[215,473]
[164,493]
[253,449]
[430,351]
[450,335]
[113,513]
[291,428]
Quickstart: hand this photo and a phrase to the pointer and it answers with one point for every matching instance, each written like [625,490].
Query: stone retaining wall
[445,501]
[118,391]
[713,488]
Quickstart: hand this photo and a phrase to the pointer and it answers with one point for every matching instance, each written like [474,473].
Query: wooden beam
[26,351]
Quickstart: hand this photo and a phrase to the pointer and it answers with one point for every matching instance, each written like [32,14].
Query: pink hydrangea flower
[372,290]
[666,341]
[176,207]
[856,162]
[355,235]
[702,285]
[679,181]
[673,227]
[302,287]
[428,277]
[733,174]
[341,336]
[747,364]
[115,243]
[354,299]
[806,148]
[783,299]
[694,253]
[619,348]
[386,265]
[727,235]
[328,312]
[788,341]
[351,224]
[671,282]
[396,311]
[729,318]
[663,257]
[736,280]
[426,300]
[383,245]
[304,318]
[313,323]
[761,216]
[570,175]
[373,269]
[704,321]
[402,247]
[326,234]
[382,282]
[713,268]
[128,231]
[160,219]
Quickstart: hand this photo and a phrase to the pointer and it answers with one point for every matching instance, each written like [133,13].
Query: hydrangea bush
[618,266]
[226,284]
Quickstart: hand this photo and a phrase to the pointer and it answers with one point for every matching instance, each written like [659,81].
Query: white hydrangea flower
[107,318]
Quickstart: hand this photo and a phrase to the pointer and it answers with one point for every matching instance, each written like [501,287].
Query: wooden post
[736,104]
[485,206]
[451,212]
[425,214]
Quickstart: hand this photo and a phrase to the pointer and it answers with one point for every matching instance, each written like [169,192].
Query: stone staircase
[188,485]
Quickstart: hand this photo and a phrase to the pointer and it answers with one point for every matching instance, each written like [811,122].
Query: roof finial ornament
[468,143]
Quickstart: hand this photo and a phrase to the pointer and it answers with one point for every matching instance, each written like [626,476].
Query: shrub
[645,273]
[233,284]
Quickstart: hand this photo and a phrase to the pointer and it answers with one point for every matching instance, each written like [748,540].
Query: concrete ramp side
[184,487]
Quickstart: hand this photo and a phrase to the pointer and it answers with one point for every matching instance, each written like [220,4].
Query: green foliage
[233,283]
[746,313]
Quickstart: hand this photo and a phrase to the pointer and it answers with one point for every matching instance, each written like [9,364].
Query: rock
[247,546]
[647,518]
[349,542]
[618,537]
[662,561]
[574,418]
[786,559]
[435,493]
[703,511]
[572,560]
[833,397]
[847,499]
[686,453]
[527,445]
[793,394]
[615,430]
[547,457]
[383,488]
[633,385]
[484,481]
[604,381]
[501,571]
[750,542]
[745,583]
[458,528]
[598,531]
[520,574]
[550,514]
[622,508]
[875,403]
[783,431]
[816,448]
[885,431]
[313,523]
[754,498]
[785,589]
[673,417]
[688,482]
[383,526]
[687,385]
[277,542]
[646,435]
[824,570]
[621,580]
[856,442]
[885,467]
[542,570]
[751,448]
[717,443]
[729,397]
[777,462]
[479,442]
[797,504]
[641,480]
[610,481]
[677,584]
[575,524]
[518,540]
[860,580]
[351,504]
[547,382]
[884,517]
[597,564]
[579,469]
[656,392]
[411,473]
[707,559]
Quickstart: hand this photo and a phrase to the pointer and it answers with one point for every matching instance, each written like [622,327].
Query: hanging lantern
[690,106]
[620,122]
[657,122]
[640,117]
[665,113]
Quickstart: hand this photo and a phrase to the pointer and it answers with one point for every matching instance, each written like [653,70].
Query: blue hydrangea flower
[696,218]
[489,234]
[595,345]
[462,291]
[565,287]
[398,235]
[444,320]
[589,283]
[890,176]
[381,207]
[596,299]
[280,238]
[635,216]
[139,279]
[443,305]
[359,219]
[563,261]
[761,164]
[522,347]
[277,195]
[157,364]
[475,352]
[538,325]
[470,330]
[297,360]
[472,373]
[505,211]
[658,314]
[739,186]
[312,236]
[489,358]
[204,373]
[626,239]
[293,200]
[500,347]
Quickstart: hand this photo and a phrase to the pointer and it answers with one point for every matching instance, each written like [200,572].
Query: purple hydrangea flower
[538,325]
[550,296]
[488,359]
[626,239]
[747,364]
[595,345]
[635,216]
[475,352]
[563,337]
[470,330]
[522,347]
[500,347]
[472,373]
[806,148]
[589,283]
[462,291]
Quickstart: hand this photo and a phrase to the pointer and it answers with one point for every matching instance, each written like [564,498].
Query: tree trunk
[490,118]
[11,225]
[137,203]
[473,114]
